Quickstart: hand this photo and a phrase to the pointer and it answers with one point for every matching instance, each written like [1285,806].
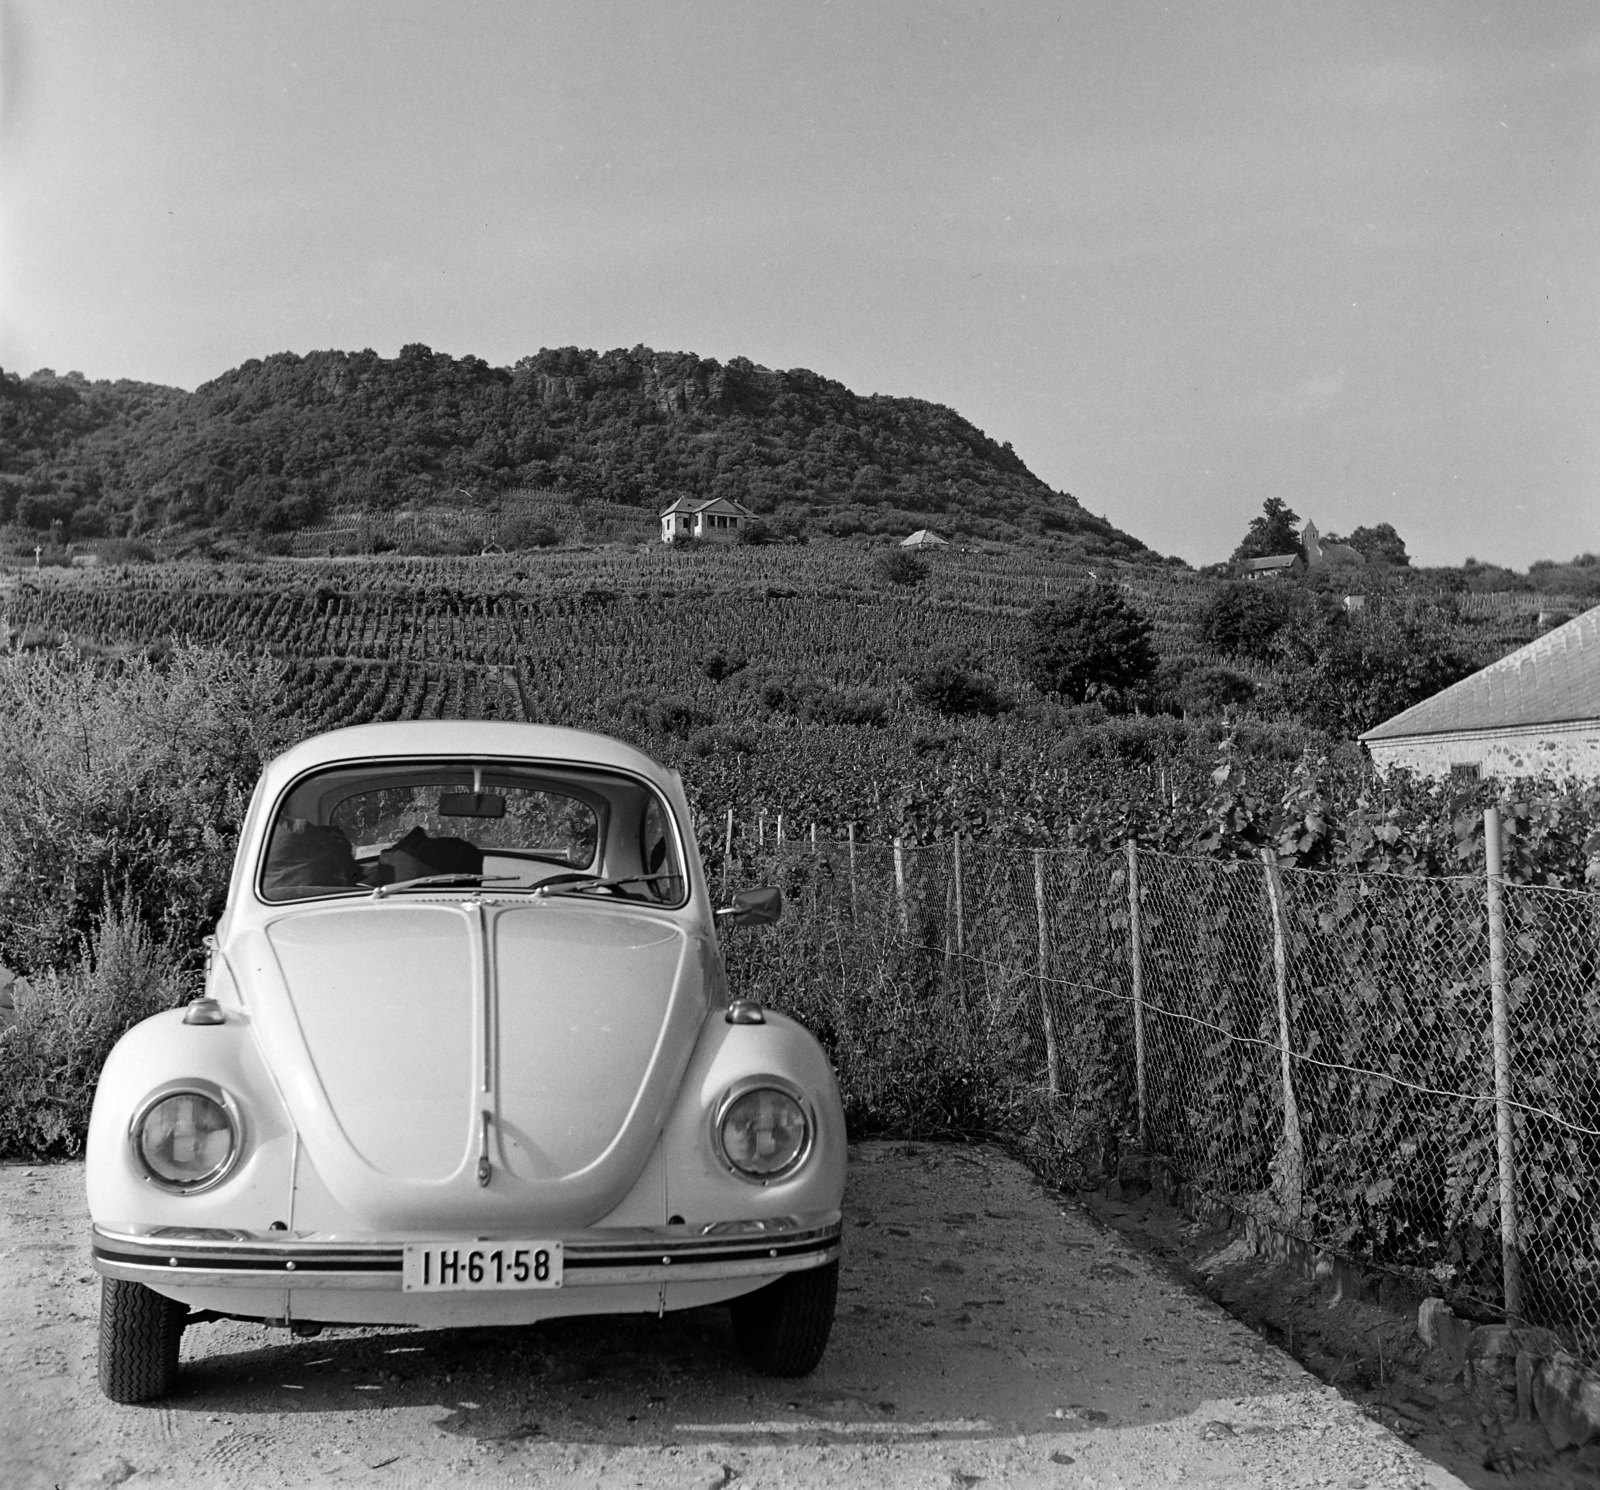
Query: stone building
[714,520]
[1535,712]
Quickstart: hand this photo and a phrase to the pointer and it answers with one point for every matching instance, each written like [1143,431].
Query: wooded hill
[275,444]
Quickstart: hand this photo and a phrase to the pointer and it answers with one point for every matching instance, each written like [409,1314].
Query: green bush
[125,783]
[947,688]
[897,566]
[1210,690]
[67,1022]
[1092,643]
[528,532]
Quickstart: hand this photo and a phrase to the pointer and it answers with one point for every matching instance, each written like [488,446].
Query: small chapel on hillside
[1313,554]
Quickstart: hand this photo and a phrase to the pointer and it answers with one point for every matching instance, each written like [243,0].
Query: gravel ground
[985,1335]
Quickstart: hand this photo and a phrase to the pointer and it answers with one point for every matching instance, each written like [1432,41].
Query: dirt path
[985,1334]
[1372,1354]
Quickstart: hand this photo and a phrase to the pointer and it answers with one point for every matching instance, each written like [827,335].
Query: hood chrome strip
[487,1103]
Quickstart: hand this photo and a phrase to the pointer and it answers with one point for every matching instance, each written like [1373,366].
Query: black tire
[139,1334]
[783,1329]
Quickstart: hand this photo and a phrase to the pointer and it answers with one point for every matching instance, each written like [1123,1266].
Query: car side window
[658,854]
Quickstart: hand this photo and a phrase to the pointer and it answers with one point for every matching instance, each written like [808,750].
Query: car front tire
[783,1329]
[139,1334]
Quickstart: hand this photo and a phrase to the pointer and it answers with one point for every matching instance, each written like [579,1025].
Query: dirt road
[985,1334]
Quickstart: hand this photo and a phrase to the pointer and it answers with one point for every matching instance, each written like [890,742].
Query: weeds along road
[986,1335]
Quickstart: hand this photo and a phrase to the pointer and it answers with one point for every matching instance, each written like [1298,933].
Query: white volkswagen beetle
[466,1056]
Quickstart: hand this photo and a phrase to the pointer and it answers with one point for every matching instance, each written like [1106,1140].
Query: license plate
[447,1267]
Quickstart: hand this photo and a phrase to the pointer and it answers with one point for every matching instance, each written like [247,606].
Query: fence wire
[1314,1048]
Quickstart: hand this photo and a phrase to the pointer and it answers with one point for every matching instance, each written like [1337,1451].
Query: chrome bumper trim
[592,1259]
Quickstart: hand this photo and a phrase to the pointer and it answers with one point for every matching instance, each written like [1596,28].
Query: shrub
[816,701]
[949,689]
[1210,690]
[898,567]
[527,532]
[1090,644]
[125,784]
[862,706]
[66,1024]
[720,665]
[644,712]
[126,551]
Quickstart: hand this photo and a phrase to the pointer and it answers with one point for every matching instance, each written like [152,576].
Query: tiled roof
[1272,561]
[1555,679]
[706,504]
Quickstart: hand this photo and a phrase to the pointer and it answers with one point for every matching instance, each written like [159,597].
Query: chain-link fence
[1405,1071]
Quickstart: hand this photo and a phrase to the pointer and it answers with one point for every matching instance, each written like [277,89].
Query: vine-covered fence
[1402,1070]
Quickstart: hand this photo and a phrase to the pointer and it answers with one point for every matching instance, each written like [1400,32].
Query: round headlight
[186,1139]
[764,1133]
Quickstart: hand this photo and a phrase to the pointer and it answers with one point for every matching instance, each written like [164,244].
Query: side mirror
[754,907]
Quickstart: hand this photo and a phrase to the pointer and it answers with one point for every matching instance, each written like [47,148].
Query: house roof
[924,538]
[1555,679]
[1272,561]
[706,504]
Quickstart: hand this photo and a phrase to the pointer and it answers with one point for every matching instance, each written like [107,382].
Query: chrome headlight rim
[188,1087]
[742,1088]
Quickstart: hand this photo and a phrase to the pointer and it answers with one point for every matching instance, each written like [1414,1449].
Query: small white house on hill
[715,519]
[1535,712]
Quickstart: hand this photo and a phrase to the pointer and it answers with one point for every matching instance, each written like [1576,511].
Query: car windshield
[378,828]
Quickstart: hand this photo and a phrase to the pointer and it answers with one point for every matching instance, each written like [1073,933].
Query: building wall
[1562,751]
[707,531]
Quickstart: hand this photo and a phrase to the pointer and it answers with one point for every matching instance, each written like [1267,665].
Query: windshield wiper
[381,891]
[581,883]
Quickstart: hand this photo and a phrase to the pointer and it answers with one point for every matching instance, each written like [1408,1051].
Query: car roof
[430,738]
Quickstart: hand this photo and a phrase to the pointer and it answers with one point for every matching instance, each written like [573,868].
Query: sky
[1184,258]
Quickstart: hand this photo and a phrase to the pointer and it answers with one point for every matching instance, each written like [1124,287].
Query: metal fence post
[1288,1165]
[1052,1056]
[1136,961]
[1500,1022]
[727,853]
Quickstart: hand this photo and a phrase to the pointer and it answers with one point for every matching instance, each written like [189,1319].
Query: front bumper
[169,1256]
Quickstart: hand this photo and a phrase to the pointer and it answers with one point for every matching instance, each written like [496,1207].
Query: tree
[1380,543]
[1243,620]
[1090,644]
[1359,670]
[1274,532]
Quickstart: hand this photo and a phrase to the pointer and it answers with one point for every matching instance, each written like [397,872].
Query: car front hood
[412,1041]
